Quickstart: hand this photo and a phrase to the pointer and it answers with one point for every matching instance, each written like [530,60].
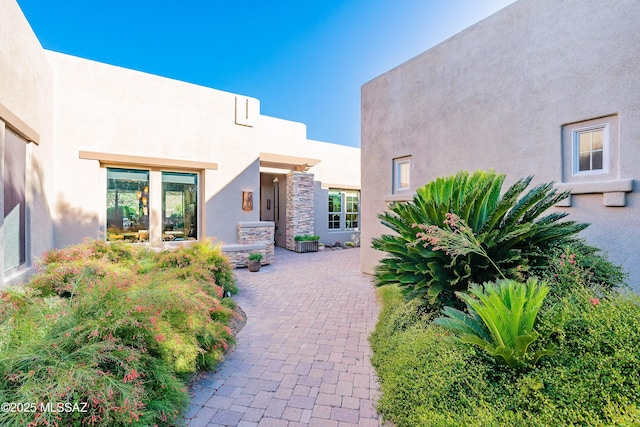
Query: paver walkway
[302,359]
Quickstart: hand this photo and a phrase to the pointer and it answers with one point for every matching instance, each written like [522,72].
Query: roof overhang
[106,159]
[281,161]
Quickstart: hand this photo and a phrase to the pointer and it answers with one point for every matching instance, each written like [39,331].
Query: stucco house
[90,150]
[543,87]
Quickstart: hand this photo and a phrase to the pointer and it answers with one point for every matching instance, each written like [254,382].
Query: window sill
[613,192]
[403,197]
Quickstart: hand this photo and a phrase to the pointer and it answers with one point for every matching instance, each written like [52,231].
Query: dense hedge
[115,330]
[429,378]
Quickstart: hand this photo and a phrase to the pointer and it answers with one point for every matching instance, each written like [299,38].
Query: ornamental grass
[114,331]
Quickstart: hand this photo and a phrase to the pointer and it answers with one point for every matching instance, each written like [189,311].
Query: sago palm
[463,228]
[500,320]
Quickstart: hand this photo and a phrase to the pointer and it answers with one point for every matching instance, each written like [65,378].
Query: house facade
[94,150]
[541,88]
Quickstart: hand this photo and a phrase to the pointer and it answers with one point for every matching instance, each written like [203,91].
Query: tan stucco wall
[26,91]
[339,168]
[79,106]
[116,110]
[497,95]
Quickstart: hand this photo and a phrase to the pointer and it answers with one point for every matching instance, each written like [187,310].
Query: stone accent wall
[239,254]
[258,232]
[300,209]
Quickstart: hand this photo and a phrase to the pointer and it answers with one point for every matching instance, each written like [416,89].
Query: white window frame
[398,164]
[343,210]
[340,213]
[347,212]
[610,125]
[575,148]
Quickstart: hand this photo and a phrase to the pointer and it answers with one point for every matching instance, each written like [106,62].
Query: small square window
[590,150]
[401,174]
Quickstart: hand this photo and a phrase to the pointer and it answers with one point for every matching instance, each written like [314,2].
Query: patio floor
[302,358]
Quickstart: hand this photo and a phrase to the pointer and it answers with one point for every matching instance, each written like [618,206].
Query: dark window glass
[127,205]
[596,160]
[15,160]
[179,206]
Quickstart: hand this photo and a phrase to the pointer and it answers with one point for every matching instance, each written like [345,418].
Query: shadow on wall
[73,224]
[224,208]
[40,215]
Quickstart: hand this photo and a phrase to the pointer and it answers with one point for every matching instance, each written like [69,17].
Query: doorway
[273,203]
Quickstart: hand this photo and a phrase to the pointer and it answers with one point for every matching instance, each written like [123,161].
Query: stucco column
[155,207]
[299,210]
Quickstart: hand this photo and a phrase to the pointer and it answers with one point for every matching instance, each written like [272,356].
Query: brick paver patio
[302,359]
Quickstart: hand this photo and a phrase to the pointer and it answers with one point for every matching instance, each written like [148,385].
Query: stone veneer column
[259,232]
[299,212]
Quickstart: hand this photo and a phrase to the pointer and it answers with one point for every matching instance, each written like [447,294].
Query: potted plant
[306,243]
[254,262]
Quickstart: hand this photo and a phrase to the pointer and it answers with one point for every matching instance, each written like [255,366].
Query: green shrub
[427,377]
[577,263]
[463,229]
[204,260]
[422,370]
[306,238]
[500,320]
[349,245]
[255,257]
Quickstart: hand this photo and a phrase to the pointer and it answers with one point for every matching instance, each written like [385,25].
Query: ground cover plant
[430,378]
[555,344]
[114,331]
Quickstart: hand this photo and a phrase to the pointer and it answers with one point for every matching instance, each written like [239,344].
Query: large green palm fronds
[464,228]
[500,320]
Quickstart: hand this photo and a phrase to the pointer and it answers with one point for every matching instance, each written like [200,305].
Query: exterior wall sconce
[247,200]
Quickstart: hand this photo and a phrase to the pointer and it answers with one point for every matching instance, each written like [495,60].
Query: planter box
[308,246]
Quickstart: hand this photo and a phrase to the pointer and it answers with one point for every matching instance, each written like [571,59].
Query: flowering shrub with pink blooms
[116,330]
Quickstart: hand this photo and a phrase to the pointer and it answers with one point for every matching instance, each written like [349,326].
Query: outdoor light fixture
[247,200]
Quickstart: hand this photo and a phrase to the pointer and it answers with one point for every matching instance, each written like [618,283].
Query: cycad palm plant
[500,320]
[462,229]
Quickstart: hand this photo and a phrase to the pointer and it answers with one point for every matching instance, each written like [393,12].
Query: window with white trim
[590,150]
[335,209]
[401,174]
[352,211]
[344,210]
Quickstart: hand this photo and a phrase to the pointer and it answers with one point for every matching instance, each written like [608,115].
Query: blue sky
[304,60]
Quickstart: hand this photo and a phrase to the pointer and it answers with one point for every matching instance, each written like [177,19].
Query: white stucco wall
[26,91]
[339,168]
[497,95]
[102,108]
[76,105]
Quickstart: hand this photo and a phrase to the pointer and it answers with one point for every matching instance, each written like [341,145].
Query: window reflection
[127,204]
[179,206]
